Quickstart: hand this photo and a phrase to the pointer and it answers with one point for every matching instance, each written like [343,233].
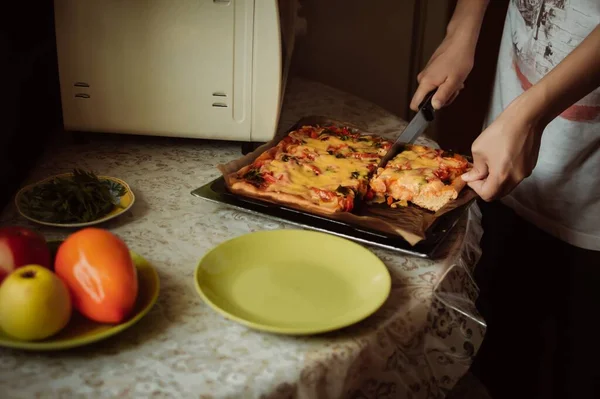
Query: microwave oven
[213,69]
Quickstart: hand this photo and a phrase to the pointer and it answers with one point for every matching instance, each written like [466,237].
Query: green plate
[82,331]
[293,281]
[125,202]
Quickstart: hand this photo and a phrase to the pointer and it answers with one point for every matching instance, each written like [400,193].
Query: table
[416,346]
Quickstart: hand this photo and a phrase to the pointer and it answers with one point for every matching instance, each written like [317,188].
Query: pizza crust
[435,202]
[248,190]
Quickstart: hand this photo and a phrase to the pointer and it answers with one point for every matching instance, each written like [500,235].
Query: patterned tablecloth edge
[455,329]
[460,267]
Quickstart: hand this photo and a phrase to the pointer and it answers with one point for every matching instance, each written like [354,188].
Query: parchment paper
[410,222]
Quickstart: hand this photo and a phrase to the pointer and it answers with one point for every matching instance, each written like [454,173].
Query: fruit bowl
[82,331]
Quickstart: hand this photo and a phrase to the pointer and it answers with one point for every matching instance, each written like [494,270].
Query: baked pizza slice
[320,169]
[427,177]
[339,142]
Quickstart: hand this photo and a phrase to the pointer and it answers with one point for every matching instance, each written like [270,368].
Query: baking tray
[216,191]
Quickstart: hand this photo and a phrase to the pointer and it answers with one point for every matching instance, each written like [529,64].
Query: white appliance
[212,69]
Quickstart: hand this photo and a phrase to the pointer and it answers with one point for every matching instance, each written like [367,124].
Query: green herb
[254,177]
[344,137]
[343,190]
[340,156]
[330,152]
[355,175]
[80,198]
[285,158]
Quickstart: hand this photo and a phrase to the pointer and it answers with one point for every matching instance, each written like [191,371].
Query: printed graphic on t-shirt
[546,33]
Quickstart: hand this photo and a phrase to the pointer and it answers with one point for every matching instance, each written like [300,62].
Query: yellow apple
[34,303]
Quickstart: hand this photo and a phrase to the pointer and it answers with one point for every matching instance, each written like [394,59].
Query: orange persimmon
[97,268]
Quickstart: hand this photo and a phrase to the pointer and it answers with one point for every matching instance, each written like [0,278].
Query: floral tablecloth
[416,346]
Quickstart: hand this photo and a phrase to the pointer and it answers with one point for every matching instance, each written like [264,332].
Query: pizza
[327,169]
[324,169]
[424,176]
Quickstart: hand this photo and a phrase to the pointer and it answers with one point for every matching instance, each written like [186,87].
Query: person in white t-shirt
[537,171]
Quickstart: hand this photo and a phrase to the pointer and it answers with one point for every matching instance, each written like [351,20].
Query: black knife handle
[426,107]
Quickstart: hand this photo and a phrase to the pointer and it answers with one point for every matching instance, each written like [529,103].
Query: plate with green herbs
[75,199]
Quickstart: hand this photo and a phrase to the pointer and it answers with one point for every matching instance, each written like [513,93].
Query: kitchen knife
[417,125]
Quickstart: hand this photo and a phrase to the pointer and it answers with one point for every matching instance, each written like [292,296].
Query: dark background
[459,127]
[30,113]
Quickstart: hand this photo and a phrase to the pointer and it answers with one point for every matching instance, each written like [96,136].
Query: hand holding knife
[417,125]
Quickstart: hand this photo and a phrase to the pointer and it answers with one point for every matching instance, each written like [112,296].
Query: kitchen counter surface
[416,346]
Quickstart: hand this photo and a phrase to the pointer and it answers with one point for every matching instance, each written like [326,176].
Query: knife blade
[417,125]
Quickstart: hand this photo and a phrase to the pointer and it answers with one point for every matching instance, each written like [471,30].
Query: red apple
[20,246]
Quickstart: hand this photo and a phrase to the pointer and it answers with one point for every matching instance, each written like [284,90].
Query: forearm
[466,21]
[573,78]
[453,60]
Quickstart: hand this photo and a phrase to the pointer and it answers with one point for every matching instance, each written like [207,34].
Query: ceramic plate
[125,202]
[82,331]
[293,281]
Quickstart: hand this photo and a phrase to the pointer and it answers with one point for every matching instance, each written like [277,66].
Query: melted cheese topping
[305,165]
[390,180]
[408,158]
[413,171]
[332,142]
[324,163]
[326,172]
[419,157]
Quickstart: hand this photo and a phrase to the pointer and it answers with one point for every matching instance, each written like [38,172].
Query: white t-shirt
[562,195]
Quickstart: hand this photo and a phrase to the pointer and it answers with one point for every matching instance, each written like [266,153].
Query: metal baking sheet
[216,191]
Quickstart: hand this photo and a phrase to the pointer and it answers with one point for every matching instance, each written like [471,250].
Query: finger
[445,92]
[452,98]
[488,189]
[424,88]
[479,170]
[477,185]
